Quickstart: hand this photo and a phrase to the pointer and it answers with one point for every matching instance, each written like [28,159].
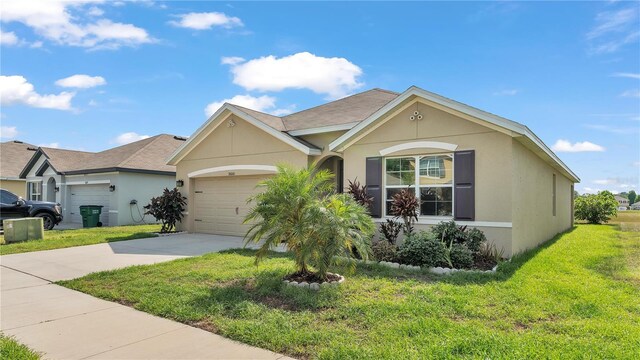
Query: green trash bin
[90,215]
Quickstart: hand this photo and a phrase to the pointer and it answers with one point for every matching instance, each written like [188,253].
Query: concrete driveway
[66,324]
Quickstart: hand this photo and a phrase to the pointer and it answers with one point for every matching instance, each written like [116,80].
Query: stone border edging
[434,270]
[314,286]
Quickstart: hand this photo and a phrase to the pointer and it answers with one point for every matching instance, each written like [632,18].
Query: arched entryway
[335,164]
[51,190]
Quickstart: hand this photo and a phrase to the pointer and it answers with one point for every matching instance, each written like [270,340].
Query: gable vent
[181,138]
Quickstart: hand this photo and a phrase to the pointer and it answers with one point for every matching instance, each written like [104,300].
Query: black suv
[15,207]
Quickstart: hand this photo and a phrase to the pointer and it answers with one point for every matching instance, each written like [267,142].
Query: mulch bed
[482,263]
[311,277]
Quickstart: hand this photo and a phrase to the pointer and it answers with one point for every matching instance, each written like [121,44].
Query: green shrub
[461,257]
[597,208]
[475,239]
[421,249]
[384,251]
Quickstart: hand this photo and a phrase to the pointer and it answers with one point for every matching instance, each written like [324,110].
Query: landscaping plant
[390,230]
[299,209]
[596,208]
[359,193]
[167,209]
[422,249]
[384,251]
[405,205]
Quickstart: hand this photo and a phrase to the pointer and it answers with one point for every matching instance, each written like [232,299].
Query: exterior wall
[322,141]
[492,162]
[532,193]
[18,187]
[140,187]
[241,144]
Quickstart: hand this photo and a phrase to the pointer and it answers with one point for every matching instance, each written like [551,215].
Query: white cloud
[604,182]
[336,77]
[506,92]
[585,146]
[95,11]
[637,163]
[613,30]
[231,60]
[261,103]
[16,90]
[81,81]
[129,137]
[205,21]
[62,22]
[635,93]
[8,132]
[627,75]
[53,145]
[8,38]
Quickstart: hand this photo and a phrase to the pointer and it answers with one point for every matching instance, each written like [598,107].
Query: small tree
[596,208]
[632,197]
[405,205]
[167,209]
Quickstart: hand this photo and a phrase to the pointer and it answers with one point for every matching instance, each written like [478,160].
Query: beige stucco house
[462,163]
[121,180]
[14,155]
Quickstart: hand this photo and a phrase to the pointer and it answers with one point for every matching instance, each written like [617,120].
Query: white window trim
[433,220]
[30,187]
[416,186]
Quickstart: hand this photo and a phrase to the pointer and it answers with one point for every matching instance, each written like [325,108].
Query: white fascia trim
[227,168]
[457,106]
[423,221]
[88,182]
[418,145]
[323,129]
[12,179]
[177,154]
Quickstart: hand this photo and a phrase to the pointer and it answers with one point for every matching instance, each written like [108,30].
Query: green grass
[57,239]
[11,349]
[575,297]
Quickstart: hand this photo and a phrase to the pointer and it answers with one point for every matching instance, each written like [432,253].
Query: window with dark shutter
[374,185]
[464,188]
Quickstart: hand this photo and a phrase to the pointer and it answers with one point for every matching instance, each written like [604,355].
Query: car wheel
[47,221]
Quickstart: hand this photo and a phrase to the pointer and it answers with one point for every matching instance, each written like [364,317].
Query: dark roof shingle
[14,156]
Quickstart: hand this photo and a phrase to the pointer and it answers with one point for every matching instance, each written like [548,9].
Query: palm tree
[298,208]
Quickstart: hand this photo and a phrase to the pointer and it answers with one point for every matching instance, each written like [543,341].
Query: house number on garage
[231,173]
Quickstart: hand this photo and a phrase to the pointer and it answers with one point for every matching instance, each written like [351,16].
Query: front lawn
[575,297]
[11,349]
[57,239]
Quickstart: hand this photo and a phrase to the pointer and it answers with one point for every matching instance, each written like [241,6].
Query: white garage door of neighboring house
[221,204]
[88,195]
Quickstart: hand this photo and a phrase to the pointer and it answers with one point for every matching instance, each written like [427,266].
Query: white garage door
[88,195]
[221,204]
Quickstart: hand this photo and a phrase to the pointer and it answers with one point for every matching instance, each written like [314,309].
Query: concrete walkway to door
[65,324]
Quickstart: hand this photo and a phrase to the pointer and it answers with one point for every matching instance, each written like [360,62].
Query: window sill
[433,220]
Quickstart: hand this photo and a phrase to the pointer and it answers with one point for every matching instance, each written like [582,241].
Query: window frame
[416,184]
[31,194]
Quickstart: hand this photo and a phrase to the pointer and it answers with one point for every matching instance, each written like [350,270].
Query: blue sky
[91,75]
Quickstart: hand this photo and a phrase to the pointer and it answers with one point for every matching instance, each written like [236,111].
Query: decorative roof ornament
[416,116]
[231,123]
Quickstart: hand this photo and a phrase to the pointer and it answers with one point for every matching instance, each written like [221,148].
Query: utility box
[23,229]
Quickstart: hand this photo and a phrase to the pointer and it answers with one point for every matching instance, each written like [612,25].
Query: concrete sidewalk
[66,324]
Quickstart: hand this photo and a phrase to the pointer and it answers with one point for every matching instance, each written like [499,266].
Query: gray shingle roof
[14,155]
[350,109]
[143,155]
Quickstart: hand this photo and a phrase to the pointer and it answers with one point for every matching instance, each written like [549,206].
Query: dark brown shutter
[464,185]
[374,185]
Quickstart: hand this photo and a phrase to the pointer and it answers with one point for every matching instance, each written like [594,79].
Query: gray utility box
[23,229]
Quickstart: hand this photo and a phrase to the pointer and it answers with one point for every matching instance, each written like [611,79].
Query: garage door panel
[88,195]
[221,204]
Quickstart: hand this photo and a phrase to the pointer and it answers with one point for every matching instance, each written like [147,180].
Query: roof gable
[246,114]
[14,156]
[343,141]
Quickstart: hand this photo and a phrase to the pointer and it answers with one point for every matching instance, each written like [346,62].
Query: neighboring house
[635,206]
[623,202]
[14,155]
[112,178]
[463,163]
